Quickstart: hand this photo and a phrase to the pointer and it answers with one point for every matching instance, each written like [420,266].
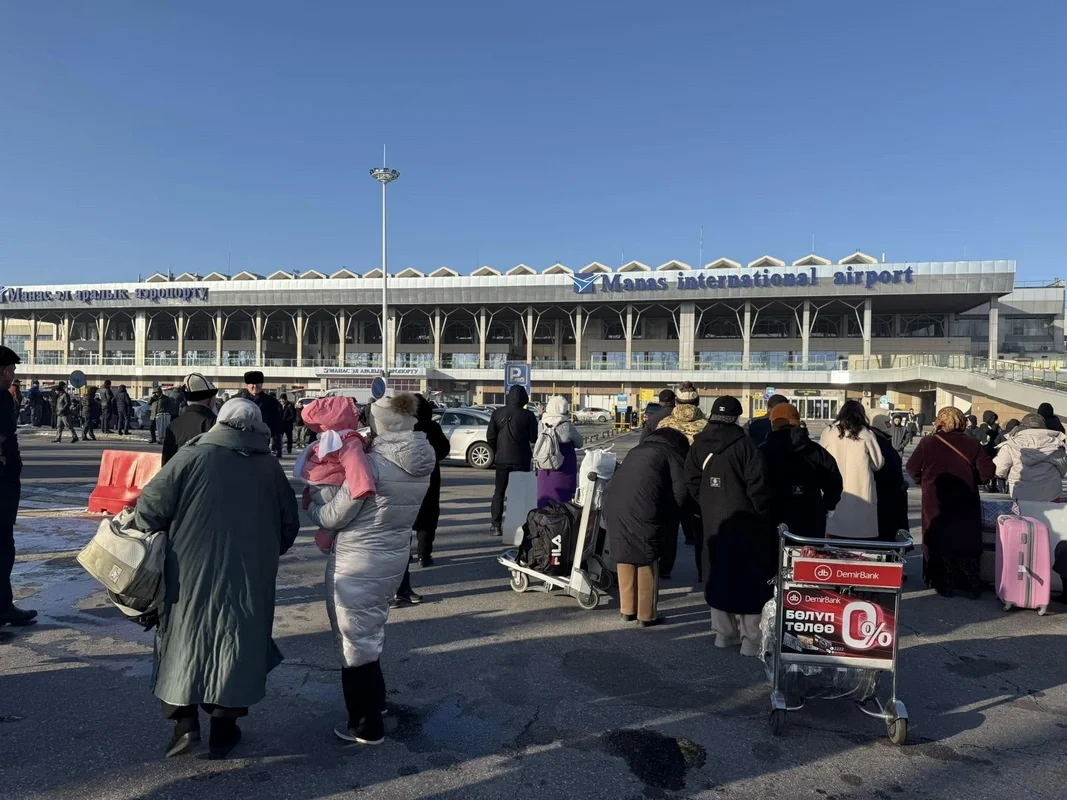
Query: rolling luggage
[519,499]
[1023,563]
[1054,515]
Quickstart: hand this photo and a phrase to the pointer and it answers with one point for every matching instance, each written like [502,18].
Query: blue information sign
[516,373]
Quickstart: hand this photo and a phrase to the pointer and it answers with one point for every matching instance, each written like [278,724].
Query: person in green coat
[230,513]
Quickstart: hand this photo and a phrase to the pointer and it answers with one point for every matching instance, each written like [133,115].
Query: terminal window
[719,328]
[923,326]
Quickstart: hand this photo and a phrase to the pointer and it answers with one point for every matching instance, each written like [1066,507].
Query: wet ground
[495,694]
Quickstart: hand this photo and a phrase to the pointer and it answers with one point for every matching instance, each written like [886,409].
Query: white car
[141,414]
[466,429]
[592,415]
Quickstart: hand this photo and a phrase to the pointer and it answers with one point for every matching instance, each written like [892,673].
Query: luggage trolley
[590,576]
[833,630]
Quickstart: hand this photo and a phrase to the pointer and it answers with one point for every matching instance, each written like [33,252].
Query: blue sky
[137,137]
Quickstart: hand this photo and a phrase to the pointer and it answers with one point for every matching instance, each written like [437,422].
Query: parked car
[142,413]
[466,429]
[586,415]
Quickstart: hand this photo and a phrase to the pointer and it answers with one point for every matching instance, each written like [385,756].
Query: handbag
[131,566]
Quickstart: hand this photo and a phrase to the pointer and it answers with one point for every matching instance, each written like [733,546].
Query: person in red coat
[949,466]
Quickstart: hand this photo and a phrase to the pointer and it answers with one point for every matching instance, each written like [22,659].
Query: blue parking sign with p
[516,373]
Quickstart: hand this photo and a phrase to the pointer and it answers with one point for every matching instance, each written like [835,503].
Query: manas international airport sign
[759,279]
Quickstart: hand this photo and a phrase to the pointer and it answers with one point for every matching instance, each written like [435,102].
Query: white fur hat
[394,414]
[687,393]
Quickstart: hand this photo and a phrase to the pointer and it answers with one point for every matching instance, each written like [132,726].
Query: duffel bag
[549,537]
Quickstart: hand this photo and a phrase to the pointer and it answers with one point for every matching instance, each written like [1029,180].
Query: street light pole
[384,176]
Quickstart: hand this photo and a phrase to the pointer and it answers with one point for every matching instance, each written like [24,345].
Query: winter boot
[224,737]
[16,616]
[364,690]
[425,540]
[186,736]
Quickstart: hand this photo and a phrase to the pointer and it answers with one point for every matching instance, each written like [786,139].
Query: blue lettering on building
[758,279]
[89,296]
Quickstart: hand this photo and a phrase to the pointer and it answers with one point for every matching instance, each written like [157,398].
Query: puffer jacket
[370,552]
[1034,461]
[687,418]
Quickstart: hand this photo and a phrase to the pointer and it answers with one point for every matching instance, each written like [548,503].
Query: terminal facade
[816,330]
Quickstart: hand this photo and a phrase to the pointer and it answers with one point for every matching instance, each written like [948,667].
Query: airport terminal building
[816,330]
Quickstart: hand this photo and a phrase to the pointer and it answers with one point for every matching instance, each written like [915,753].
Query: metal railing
[999,369]
[1021,372]
[85,359]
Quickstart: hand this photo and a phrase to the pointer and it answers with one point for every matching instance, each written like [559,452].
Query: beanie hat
[197,387]
[254,376]
[394,414]
[726,408]
[687,393]
[783,415]
[1034,421]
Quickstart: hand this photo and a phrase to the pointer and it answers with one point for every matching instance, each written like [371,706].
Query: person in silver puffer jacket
[370,554]
[1034,460]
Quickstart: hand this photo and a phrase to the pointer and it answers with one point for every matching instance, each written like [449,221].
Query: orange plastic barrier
[122,476]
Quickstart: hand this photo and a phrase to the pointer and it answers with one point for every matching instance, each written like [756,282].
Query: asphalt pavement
[496,694]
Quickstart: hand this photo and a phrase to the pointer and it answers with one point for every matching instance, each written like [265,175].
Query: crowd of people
[850,484]
[727,488]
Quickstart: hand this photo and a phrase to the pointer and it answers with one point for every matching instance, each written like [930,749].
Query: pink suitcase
[1023,563]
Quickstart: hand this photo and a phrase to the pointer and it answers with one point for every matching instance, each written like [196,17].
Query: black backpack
[549,537]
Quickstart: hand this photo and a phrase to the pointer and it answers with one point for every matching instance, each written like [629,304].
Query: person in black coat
[1052,422]
[288,421]
[269,408]
[430,511]
[727,474]
[988,434]
[90,413]
[760,428]
[643,505]
[666,406]
[511,433]
[124,409]
[197,418]
[107,407]
[890,484]
[805,481]
[425,525]
[10,491]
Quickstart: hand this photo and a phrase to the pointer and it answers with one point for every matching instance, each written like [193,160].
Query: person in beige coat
[852,444]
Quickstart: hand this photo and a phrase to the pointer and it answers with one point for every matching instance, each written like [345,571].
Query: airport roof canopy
[858,258]
[812,260]
[767,261]
[723,263]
